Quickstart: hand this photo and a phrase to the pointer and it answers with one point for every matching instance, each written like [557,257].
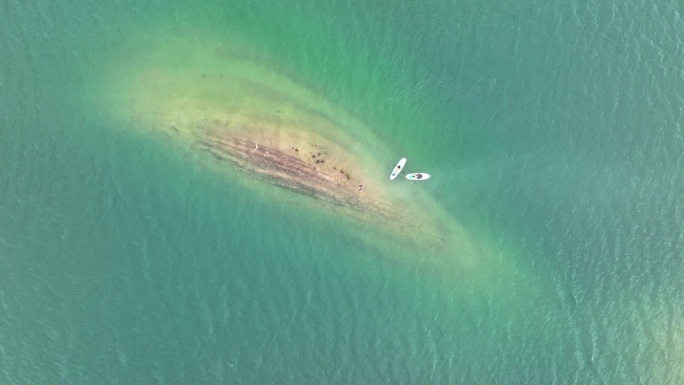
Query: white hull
[418,176]
[397,169]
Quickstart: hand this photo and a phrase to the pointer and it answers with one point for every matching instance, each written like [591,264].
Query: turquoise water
[553,132]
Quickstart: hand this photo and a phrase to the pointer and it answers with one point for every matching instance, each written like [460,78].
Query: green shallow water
[552,131]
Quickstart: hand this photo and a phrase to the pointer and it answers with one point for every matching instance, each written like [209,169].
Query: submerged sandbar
[270,129]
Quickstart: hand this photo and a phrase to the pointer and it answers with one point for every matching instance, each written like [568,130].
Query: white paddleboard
[418,176]
[397,169]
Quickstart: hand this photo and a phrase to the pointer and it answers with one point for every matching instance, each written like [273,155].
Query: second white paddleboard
[418,176]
